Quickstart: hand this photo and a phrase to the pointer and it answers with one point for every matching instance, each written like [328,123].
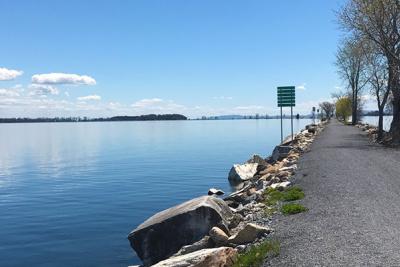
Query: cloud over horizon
[63,78]
[42,90]
[8,75]
[9,93]
[89,97]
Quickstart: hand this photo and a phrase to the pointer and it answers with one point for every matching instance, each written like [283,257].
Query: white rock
[222,256]
[242,172]
[283,185]
[214,191]
[289,168]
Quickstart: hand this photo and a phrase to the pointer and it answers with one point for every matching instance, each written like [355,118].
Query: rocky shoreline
[210,231]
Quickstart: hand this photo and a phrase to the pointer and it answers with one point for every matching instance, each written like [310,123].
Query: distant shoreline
[152,117]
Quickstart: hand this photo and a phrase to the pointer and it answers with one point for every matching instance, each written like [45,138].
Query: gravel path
[352,189]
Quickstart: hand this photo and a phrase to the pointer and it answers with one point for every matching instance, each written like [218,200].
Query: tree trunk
[354,108]
[380,123]
[395,88]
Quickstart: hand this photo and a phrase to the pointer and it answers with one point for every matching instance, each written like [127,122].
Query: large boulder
[257,159]
[281,152]
[211,257]
[163,234]
[242,172]
[205,242]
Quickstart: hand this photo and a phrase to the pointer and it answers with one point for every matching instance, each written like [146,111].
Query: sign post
[287,98]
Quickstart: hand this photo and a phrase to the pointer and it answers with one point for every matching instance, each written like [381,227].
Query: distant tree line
[149,117]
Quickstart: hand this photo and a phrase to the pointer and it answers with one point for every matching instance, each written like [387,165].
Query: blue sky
[104,58]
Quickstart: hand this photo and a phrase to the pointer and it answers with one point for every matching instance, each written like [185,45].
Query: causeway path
[352,190]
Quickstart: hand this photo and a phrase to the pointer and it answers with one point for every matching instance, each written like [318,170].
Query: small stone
[241,248]
[214,191]
[249,233]
[280,185]
[291,168]
[236,219]
[219,237]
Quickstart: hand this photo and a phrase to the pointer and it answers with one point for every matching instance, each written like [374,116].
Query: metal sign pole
[291,120]
[281,127]
[286,98]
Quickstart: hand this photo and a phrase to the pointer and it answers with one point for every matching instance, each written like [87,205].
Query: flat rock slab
[211,257]
[163,234]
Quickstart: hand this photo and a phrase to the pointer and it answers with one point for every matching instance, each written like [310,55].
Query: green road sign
[286,96]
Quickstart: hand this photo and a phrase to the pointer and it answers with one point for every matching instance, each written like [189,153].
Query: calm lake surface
[373,120]
[71,192]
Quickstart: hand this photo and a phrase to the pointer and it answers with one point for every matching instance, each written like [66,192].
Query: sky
[106,58]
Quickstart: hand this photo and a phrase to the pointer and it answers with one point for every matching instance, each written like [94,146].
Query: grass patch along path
[257,254]
[292,208]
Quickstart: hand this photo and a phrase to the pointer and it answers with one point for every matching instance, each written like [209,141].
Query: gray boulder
[281,152]
[211,257]
[257,159]
[205,242]
[163,234]
[242,172]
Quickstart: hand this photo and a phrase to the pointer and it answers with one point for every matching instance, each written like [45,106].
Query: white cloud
[7,74]
[66,94]
[89,97]
[42,90]
[147,103]
[223,97]
[252,107]
[301,87]
[9,93]
[368,97]
[63,78]
[157,105]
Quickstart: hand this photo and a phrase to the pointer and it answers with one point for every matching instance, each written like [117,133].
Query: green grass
[293,193]
[292,208]
[273,196]
[256,255]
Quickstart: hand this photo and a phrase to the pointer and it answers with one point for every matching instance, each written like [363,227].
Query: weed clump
[257,254]
[292,208]
[293,193]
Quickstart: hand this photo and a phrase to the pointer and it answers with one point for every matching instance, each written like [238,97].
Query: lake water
[373,120]
[71,192]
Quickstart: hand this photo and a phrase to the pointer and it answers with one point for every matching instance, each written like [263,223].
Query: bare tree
[379,22]
[378,72]
[350,60]
[328,108]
